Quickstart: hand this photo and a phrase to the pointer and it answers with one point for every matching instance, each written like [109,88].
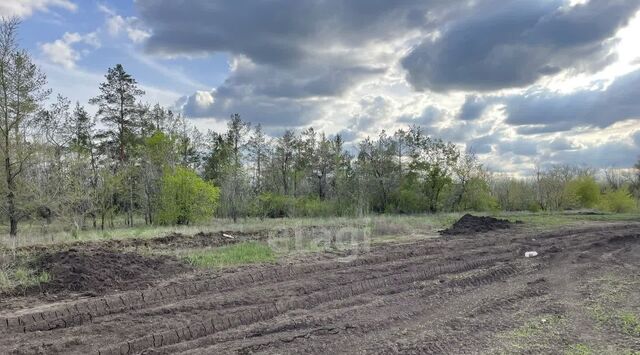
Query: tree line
[145,164]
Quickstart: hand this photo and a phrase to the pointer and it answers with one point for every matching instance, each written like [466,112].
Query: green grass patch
[579,349]
[21,277]
[237,254]
[538,335]
[629,323]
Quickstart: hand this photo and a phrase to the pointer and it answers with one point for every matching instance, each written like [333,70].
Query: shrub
[584,191]
[618,201]
[274,205]
[185,197]
[314,207]
[534,207]
[478,197]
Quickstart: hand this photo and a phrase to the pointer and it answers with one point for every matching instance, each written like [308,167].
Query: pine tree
[117,108]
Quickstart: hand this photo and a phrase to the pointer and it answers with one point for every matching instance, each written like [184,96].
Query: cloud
[25,8]
[287,57]
[513,43]
[483,144]
[518,147]
[354,66]
[280,32]
[472,108]
[428,118]
[117,24]
[608,154]
[636,138]
[547,111]
[62,51]
[559,144]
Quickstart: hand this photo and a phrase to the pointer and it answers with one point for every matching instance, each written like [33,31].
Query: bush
[274,205]
[584,191]
[478,197]
[618,201]
[314,207]
[186,198]
[534,207]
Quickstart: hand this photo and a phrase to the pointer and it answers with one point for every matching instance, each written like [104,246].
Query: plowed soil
[439,296]
[98,270]
[468,224]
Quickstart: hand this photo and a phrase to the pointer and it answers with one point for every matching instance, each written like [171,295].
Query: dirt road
[468,294]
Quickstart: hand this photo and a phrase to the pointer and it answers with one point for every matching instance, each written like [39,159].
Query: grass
[537,335]
[21,277]
[579,349]
[606,310]
[387,226]
[232,255]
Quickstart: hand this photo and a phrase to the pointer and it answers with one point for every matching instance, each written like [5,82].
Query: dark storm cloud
[501,44]
[269,112]
[314,80]
[279,32]
[545,111]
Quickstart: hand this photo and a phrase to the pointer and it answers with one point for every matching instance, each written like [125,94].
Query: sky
[520,83]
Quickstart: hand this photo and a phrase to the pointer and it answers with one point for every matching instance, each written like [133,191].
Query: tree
[433,161]
[258,150]
[82,130]
[117,108]
[218,158]
[21,93]
[284,159]
[235,187]
[377,164]
[186,198]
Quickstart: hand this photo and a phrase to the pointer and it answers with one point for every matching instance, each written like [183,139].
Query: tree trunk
[11,203]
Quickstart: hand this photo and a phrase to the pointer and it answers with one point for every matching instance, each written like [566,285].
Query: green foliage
[584,190]
[477,197]
[186,198]
[160,148]
[274,205]
[21,277]
[534,207]
[237,254]
[314,207]
[618,201]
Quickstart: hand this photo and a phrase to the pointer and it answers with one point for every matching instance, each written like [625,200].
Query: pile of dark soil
[98,270]
[476,224]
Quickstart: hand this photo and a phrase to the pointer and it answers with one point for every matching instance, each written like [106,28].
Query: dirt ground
[468,294]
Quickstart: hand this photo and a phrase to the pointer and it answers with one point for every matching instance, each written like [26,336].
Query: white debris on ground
[530,254]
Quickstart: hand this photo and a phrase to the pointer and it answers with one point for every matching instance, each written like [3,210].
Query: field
[388,284]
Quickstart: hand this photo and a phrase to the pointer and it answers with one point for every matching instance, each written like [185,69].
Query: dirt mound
[97,270]
[476,224]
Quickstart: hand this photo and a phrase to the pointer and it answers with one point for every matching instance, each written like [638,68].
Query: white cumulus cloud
[25,8]
[62,51]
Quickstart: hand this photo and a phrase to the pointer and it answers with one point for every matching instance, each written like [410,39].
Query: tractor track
[433,296]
